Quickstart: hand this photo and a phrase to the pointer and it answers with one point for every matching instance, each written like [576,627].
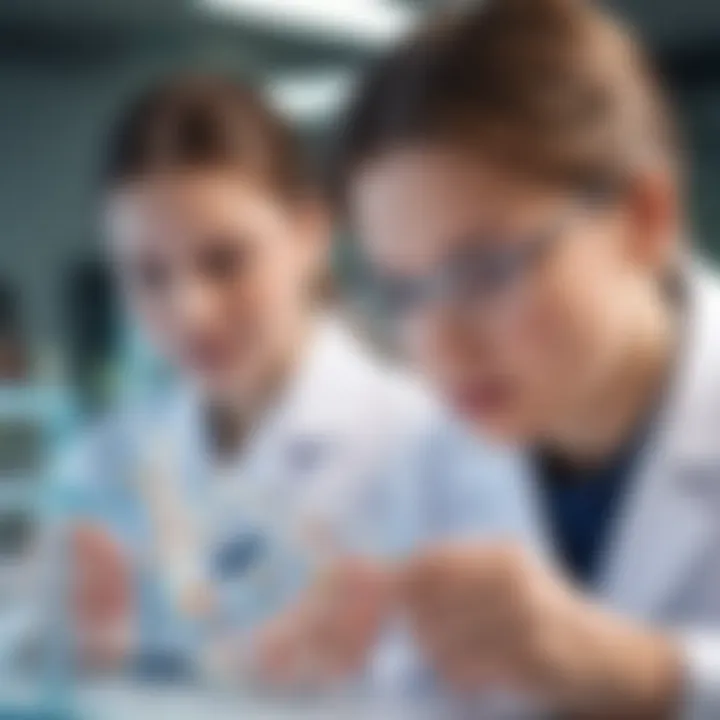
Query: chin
[218,386]
[500,429]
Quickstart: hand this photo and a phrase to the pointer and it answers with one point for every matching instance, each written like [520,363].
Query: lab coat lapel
[665,525]
[663,534]
[299,440]
[298,434]
[309,446]
[297,415]
[288,454]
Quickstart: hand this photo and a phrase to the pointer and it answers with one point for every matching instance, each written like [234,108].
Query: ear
[314,221]
[313,225]
[655,219]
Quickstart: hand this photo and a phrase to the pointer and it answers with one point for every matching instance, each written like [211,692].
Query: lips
[480,399]
[208,356]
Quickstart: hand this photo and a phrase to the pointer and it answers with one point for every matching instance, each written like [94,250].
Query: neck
[605,421]
[232,418]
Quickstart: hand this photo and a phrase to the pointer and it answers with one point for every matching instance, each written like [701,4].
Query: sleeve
[444,486]
[701,699]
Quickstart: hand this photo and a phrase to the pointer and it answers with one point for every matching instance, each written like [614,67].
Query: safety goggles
[485,269]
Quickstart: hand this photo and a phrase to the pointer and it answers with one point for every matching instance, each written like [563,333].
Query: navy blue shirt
[582,504]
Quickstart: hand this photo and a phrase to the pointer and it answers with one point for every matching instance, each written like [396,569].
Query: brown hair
[552,89]
[197,122]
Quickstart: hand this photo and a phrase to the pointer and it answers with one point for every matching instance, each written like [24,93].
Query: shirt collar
[310,407]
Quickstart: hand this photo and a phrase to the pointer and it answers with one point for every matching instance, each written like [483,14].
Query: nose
[447,334]
[194,304]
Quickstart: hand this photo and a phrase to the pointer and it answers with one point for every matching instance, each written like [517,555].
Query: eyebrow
[473,240]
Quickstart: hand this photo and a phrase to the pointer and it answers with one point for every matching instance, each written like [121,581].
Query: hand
[101,597]
[491,615]
[327,636]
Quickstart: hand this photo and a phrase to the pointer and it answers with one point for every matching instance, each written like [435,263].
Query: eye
[225,260]
[483,272]
[492,271]
[149,275]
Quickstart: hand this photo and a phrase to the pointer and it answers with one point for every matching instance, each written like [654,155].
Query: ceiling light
[366,21]
[313,97]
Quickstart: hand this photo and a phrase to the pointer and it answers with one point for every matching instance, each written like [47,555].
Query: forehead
[172,206]
[411,206]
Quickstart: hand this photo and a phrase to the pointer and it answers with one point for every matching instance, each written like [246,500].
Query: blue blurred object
[162,666]
[239,555]
[25,492]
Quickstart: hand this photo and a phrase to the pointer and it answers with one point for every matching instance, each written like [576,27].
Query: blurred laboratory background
[68,66]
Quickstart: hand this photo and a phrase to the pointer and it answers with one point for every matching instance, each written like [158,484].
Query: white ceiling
[664,20]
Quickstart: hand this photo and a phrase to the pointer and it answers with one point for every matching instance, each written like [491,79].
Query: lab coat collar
[333,363]
[307,419]
[665,525]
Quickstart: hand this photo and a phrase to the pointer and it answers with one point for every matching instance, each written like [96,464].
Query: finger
[94,544]
[354,582]
[101,591]
[94,547]
[272,650]
[460,658]
[473,675]
[468,640]
[336,645]
[483,634]
[353,600]
[329,633]
[306,648]
[101,599]
[280,647]
[432,584]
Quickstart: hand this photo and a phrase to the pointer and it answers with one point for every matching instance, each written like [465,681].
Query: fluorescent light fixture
[366,21]
[312,98]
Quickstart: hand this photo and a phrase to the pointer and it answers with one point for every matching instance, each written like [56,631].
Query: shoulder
[378,398]
[444,483]
[357,389]
[445,454]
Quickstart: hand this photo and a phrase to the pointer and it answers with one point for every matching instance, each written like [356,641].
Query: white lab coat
[662,565]
[149,477]
[304,480]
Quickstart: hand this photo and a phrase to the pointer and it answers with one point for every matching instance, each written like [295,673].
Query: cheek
[275,289]
[559,344]
[540,343]
[261,307]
